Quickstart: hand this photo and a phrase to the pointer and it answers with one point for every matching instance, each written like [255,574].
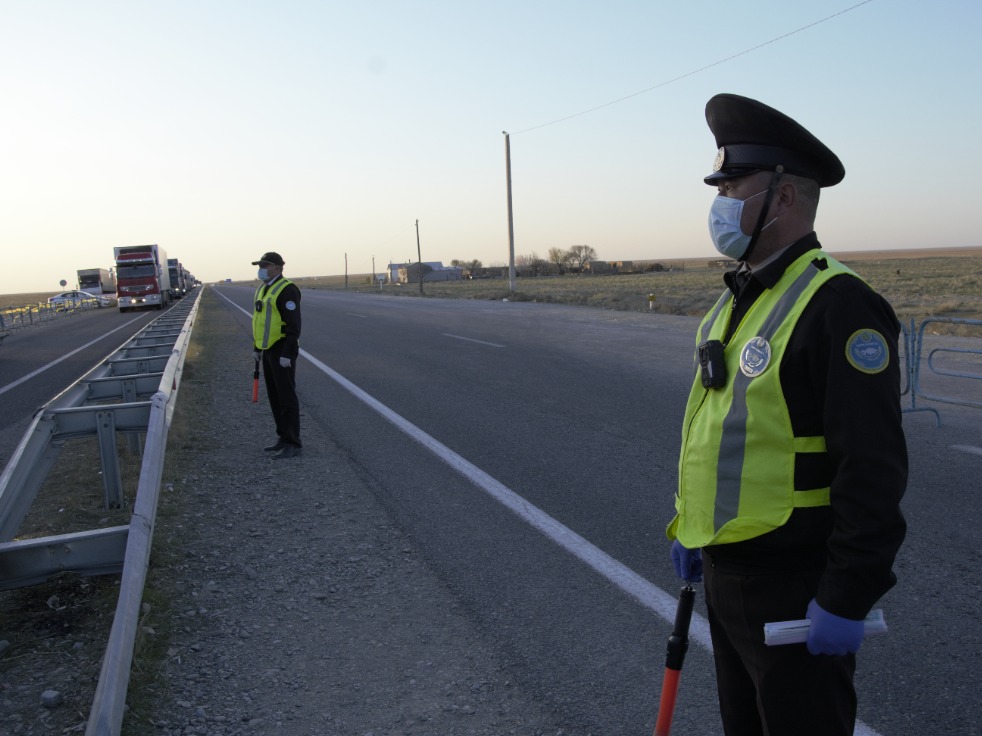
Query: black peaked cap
[275,258]
[754,137]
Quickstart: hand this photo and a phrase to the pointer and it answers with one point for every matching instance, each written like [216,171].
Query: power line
[695,71]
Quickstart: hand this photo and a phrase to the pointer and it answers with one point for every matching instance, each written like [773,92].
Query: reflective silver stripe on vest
[707,327]
[732,447]
[268,301]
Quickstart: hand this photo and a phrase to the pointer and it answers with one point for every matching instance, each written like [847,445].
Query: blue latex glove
[831,634]
[687,562]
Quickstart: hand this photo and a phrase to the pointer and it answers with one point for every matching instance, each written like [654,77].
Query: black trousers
[773,691]
[281,387]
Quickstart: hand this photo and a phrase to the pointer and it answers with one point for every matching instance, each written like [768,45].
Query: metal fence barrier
[958,359]
[142,378]
[910,373]
[32,315]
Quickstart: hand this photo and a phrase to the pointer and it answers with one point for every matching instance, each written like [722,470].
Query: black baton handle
[678,642]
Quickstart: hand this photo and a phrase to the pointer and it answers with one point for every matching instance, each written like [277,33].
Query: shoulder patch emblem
[755,357]
[866,351]
[290,305]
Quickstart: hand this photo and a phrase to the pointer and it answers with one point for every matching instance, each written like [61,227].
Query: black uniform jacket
[855,540]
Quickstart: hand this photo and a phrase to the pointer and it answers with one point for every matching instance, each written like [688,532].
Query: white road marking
[623,577]
[971,449]
[471,339]
[360,316]
[43,368]
[645,592]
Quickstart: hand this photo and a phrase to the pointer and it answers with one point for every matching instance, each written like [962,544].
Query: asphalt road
[577,412]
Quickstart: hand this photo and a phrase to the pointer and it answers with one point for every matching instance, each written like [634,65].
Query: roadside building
[408,273]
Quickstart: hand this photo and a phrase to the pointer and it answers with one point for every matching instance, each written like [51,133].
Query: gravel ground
[281,600]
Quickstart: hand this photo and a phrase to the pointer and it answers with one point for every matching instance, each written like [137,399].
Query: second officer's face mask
[724,225]
[263,274]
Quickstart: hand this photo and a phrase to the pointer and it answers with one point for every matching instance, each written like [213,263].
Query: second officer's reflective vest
[267,323]
[736,468]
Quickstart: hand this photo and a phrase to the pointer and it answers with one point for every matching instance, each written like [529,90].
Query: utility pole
[373,273]
[419,260]
[345,270]
[511,222]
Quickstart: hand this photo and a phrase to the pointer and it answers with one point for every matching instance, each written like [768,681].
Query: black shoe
[279,445]
[288,451]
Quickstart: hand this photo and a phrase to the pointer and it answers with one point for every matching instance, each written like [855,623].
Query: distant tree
[580,254]
[529,265]
[562,258]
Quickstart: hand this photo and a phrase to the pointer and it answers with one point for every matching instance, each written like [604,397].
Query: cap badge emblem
[720,159]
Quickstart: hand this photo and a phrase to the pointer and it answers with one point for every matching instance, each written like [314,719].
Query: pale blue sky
[224,129]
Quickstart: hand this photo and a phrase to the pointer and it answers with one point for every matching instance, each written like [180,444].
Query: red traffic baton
[678,644]
[255,383]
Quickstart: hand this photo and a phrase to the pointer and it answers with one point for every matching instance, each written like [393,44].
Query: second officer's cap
[754,137]
[275,258]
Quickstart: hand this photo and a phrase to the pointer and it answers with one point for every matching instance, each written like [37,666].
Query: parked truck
[178,278]
[142,277]
[98,281]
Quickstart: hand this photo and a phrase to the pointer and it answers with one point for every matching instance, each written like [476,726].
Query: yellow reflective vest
[267,323]
[736,467]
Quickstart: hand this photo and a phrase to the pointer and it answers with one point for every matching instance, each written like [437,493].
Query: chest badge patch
[755,357]
[866,351]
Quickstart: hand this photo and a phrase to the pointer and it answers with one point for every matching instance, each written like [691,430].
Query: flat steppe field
[918,283]
[930,282]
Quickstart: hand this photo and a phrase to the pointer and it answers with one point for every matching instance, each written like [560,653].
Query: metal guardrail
[142,378]
[969,356]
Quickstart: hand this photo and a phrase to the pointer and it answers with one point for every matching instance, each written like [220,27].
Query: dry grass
[917,286]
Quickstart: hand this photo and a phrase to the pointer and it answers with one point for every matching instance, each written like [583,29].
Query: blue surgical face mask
[724,225]
[263,274]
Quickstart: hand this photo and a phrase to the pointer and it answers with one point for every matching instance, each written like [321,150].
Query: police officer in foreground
[276,341]
[793,459]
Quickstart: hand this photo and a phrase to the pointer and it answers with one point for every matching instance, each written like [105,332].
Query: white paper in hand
[796,632]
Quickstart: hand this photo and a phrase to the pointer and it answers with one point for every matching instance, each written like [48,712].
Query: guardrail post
[132,438]
[112,483]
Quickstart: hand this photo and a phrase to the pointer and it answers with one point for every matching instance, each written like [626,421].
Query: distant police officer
[276,340]
[793,459]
